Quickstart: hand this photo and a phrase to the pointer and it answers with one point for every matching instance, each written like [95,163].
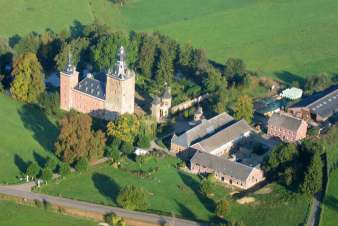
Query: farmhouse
[205,129]
[287,127]
[106,98]
[222,141]
[319,106]
[225,170]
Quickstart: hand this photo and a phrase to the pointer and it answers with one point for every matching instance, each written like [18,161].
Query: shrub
[47,174]
[64,169]
[49,102]
[114,154]
[81,165]
[33,170]
[206,187]
[143,141]
[132,198]
[222,208]
[114,220]
[51,163]
[127,148]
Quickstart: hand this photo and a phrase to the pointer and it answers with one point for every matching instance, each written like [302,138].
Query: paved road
[314,215]
[100,209]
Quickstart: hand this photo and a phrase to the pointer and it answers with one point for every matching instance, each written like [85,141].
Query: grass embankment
[13,214]
[286,39]
[172,191]
[26,134]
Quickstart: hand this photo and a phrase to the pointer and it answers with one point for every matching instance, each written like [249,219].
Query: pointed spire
[69,67]
[121,65]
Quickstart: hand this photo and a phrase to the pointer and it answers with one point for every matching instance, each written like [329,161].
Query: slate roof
[285,121]
[166,94]
[92,87]
[224,136]
[222,165]
[324,103]
[205,128]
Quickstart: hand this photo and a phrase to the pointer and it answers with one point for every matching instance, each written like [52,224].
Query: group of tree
[128,131]
[33,170]
[316,83]
[297,167]
[77,140]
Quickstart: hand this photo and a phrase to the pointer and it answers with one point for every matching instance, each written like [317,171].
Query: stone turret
[160,107]
[120,88]
[69,78]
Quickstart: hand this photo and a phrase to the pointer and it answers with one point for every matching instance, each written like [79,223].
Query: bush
[114,154]
[51,163]
[81,165]
[49,102]
[115,142]
[132,198]
[32,170]
[222,208]
[127,148]
[143,141]
[114,220]
[206,187]
[47,174]
[313,131]
[64,169]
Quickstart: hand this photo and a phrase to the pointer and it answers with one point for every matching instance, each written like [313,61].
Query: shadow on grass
[331,202]
[40,160]
[208,203]
[289,77]
[106,186]
[35,120]
[185,211]
[20,163]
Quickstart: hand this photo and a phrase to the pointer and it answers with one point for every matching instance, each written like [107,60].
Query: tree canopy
[244,108]
[28,78]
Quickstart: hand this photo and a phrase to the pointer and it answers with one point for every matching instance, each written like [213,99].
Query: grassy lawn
[173,191]
[25,135]
[330,204]
[13,214]
[278,38]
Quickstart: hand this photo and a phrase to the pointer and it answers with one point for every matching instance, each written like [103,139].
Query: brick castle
[106,98]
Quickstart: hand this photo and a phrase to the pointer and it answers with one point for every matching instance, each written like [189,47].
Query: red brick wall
[86,104]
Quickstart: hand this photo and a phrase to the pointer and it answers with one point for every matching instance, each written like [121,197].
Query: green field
[273,37]
[172,191]
[13,214]
[330,204]
[25,135]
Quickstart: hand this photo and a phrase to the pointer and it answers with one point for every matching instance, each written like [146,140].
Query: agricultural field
[174,192]
[13,214]
[286,39]
[26,135]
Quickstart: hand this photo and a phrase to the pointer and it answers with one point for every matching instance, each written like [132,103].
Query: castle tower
[120,89]
[166,97]
[69,78]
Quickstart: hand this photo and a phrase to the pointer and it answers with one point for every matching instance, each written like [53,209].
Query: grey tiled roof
[222,165]
[166,94]
[226,135]
[323,103]
[92,87]
[285,121]
[205,128]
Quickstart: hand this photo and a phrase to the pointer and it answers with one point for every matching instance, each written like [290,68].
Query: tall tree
[29,82]
[165,66]
[185,55]
[147,53]
[244,108]
[221,99]
[125,128]
[28,44]
[313,176]
[76,140]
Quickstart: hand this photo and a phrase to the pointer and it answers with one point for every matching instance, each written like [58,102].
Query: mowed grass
[13,214]
[20,17]
[172,191]
[272,37]
[26,134]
